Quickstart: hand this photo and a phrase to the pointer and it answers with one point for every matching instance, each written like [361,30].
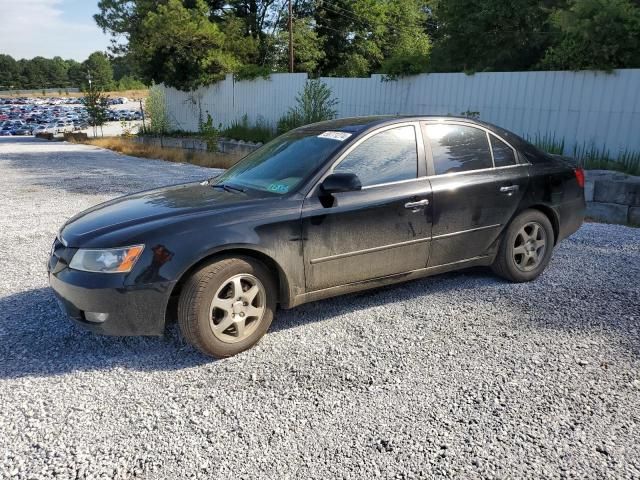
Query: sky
[49,28]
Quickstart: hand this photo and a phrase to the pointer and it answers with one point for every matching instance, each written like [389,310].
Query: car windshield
[283,164]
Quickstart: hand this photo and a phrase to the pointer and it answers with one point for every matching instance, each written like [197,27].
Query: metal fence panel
[583,108]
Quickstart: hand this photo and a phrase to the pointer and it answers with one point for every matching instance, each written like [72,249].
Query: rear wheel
[526,247]
[227,306]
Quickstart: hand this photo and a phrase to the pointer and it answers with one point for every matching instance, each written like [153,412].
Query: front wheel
[526,247]
[227,306]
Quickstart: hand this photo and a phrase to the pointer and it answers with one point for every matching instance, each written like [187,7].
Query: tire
[215,318]
[521,256]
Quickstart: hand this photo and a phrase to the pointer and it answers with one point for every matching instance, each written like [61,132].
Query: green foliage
[314,104]
[98,68]
[548,143]
[251,72]
[595,35]
[241,130]
[209,133]
[8,72]
[181,48]
[363,36]
[97,107]
[471,114]
[403,66]
[593,158]
[129,83]
[156,113]
[40,73]
[589,156]
[308,51]
[189,43]
[495,35]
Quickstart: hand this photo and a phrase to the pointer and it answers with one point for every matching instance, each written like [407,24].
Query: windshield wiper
[228,188]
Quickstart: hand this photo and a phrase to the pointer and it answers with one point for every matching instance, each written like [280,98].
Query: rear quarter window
[503,154]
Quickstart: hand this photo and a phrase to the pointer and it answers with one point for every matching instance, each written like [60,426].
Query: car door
[381,230]
[477,184]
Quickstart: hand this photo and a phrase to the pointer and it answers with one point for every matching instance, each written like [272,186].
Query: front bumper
[138,310]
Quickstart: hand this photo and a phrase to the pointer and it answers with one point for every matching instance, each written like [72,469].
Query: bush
[313,104]
[400,66]
[252,72]
[241,130]
[209,133]
[156,111]
[129,83]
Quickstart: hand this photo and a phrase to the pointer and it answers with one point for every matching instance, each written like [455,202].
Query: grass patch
[241,130]
[176,155]
[548,143]
[590,157]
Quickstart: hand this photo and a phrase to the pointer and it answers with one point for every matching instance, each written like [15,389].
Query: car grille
[60,256]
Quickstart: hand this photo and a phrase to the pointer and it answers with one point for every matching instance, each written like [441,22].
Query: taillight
[579,176]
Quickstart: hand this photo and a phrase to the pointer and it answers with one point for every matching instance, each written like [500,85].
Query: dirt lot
[460,375]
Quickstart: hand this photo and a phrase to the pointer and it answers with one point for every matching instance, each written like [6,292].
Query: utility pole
[290,36]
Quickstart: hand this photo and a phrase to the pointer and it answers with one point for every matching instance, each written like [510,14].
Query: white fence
[583,108]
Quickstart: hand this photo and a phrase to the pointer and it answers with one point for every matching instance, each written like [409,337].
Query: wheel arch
[552,215]
[284,295]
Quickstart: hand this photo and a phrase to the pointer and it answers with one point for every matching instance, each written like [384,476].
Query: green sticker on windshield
[278,188]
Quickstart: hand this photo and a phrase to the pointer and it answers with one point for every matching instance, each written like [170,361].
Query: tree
[495,35]
[97,105]
[76,74]
[595,35]
[181,48]
[99,68]
[359,35]
[8,72]
[308,52]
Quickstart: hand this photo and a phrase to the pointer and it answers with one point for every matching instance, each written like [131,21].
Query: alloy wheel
[237,308]
[529,246]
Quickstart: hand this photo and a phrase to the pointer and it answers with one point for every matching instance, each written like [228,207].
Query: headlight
[112,260]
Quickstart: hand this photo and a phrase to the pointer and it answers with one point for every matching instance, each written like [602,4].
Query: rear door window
[458,148]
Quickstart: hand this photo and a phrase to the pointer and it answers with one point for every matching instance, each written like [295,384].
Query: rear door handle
[415,206]
[509,189]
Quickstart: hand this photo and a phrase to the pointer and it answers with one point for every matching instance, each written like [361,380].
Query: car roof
[357,125]
[360,124]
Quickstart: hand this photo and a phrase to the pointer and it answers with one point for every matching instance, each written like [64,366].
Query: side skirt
[388,280]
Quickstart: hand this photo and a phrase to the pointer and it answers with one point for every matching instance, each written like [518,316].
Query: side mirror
[341,182]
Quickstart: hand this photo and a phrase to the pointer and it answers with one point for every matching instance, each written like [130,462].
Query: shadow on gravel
[88,170]
[37,340]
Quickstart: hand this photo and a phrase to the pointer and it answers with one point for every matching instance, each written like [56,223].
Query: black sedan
[326,209]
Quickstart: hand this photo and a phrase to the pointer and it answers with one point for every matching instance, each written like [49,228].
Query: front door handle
[510,189]
[416,206]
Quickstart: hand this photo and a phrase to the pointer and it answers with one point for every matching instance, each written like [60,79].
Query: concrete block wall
[225,145]
[612,197]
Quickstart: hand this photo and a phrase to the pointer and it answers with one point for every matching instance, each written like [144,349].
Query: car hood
[153,207]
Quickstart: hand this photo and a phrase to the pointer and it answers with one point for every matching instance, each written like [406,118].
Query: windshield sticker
[278,188]
[340,136]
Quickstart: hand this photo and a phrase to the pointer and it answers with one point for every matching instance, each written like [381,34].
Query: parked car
[22,130]
[324,210]
[51,128]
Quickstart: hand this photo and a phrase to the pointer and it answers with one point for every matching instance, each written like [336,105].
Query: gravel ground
[460,375]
